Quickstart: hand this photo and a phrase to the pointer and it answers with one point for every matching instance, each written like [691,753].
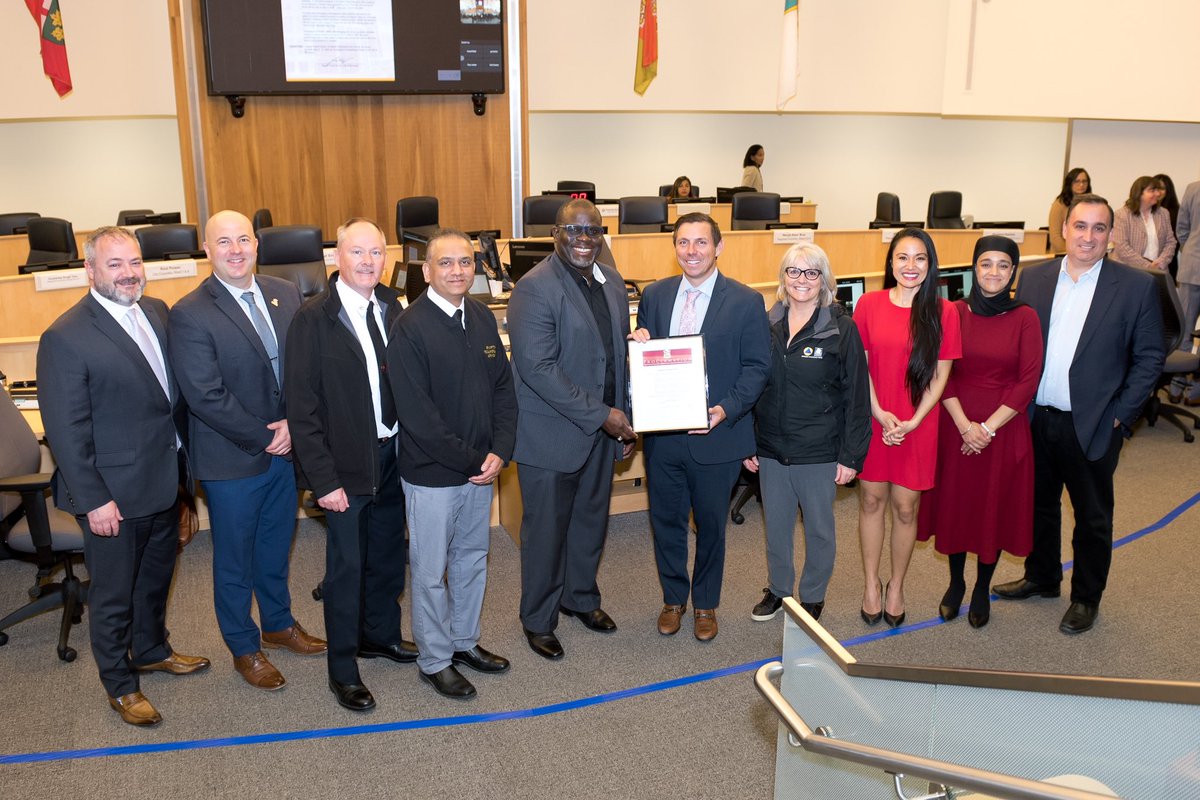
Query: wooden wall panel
[319,160]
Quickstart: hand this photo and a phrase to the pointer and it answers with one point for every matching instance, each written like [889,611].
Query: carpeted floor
[597,724]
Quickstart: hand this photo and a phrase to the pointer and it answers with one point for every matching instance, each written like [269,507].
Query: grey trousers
[811,486]
[447,554]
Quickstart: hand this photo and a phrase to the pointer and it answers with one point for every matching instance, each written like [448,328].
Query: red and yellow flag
[54,48]
[647,50]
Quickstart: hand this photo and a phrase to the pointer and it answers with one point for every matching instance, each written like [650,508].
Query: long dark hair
[1170,200]
[925,321]
[748,159]
[1068,193]
[1134,203]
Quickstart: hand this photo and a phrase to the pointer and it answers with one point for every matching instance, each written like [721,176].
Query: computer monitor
[399,276]
[1018,224]
[677,200]
[414,244]
[725,193]
[167,218]
[45,266]
[480,289]
[848,292]
[525,254]
[414,280]
[492,232]
[955,284]
[796,199]
[876,224]
[812,226]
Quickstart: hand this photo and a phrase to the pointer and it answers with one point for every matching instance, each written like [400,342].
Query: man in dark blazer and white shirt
[1103,329]
[342,418]
[228,339]
[568,319]
[694,471]
[115,422]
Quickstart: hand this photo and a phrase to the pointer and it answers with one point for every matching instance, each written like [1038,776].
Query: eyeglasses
[796,272]
[573,231]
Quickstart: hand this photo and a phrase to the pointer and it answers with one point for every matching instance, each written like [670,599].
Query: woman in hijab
[982,501]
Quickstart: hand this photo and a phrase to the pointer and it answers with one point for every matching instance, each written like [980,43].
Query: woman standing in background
[752,167]
[1077,181]
[1170,202]
[1142,232]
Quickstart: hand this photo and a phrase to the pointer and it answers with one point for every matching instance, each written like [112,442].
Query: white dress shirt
[356,309]
[702,301]
[1072,301]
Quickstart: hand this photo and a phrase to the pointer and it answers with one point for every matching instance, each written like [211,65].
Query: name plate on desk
[792,235]
[784,208]
[694,208]
[330,256]
[53,279]
[1016,234]
[608,209]
[161,270]
[889,233]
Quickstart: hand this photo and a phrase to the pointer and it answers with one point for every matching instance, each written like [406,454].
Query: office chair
[887,208]
[51,239]
[17,219]
[945,210]
[539,212]
[1178,363]
[641,214]
[576,186]
[419,214]
[294,253]
[753,210]
[157,241]
[32,529]
[748,483]
[262,219]
[123,216]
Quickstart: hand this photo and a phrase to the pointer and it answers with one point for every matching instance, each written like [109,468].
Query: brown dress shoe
[668,619]
[706,624]
[295,639]
[135,709]
[258,672]
[176,664]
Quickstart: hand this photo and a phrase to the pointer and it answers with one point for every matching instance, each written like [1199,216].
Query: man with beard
[114,418]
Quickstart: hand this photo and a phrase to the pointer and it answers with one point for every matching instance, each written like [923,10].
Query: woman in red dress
[911,336]
[983,499]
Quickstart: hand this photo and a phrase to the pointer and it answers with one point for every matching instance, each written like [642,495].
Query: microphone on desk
[491,262]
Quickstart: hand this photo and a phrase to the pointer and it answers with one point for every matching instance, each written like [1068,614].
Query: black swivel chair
[576,186]
[32,529]
[262,219]
[157,241]
[294,253]
[9,223]
[51,239]
[123,216]
[539,212]
[887,207]
[753,210]
[641,214]
[1178,363]
[945,210]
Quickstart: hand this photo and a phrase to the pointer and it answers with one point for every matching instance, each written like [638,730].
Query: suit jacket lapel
[112,329]
[234,310]
[715,302]
[160,330]
[667,307]
[1107,285]
[574,295]
[277,321]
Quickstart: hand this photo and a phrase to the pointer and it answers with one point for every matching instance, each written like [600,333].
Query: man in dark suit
[342,417]
[567,322]
[114,419]
[1103,331]
[695,470]
[228,340]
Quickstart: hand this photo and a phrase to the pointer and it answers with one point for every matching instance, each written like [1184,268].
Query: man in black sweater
[458,420]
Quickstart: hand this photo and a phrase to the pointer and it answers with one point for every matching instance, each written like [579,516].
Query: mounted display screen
[354,46]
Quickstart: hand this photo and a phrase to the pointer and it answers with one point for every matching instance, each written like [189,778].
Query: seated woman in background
[1075,182]
[752,167]
[1142,234]
[812,425]
[681,188]
[982,500]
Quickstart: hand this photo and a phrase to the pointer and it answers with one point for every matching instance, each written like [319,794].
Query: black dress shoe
[353,696]
[545,645]
[1021,589]
[451,683]
[1080,617]
[480,660]
[951,602]
[402,652]
[814,609]
[595,619]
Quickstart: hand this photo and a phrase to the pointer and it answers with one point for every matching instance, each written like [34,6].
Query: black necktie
[458,318]
[387,403]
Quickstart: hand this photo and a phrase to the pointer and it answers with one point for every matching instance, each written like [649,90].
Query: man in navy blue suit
[227,340]
[696,470]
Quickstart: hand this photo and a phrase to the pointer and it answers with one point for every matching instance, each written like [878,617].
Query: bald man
[227,340]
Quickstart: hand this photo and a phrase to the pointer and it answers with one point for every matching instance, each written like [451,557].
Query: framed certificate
[668,384]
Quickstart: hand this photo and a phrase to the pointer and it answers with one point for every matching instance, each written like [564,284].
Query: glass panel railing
[847,725]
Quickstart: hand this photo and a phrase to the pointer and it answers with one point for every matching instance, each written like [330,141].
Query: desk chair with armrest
[945,210]
[539,212]
[262,219]
[1178,363]
[641,214]
[416,213]
[887,207]
[15,222]
[32,529]
[751,211]
[51,239]
[124,215]
[576,186]
[294,253]
[157,241]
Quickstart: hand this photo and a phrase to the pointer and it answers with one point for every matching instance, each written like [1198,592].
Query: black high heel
[981,608]
[873,619]
[951,602]
[895,621]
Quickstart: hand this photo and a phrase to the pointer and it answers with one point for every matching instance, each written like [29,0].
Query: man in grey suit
[229,355]
[1189,271]
[568,319]
[113,416]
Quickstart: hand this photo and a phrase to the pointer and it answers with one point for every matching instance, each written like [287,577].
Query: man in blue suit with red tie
[696,470]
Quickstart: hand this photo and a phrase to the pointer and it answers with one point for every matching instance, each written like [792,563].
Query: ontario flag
[54,48]
[647,50]
[789,53]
